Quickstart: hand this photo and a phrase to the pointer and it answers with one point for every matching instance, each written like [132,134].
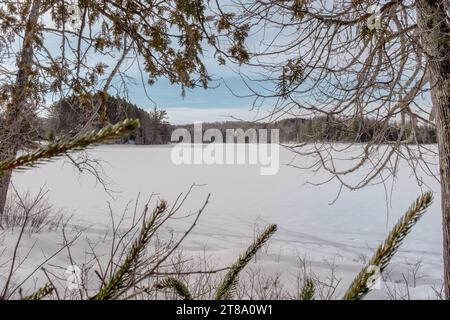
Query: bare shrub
[35,213]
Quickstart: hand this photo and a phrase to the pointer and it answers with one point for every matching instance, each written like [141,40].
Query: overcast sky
[228,96]
[218,103]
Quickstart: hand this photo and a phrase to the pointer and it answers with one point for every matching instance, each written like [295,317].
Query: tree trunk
[15,129]
[434,27]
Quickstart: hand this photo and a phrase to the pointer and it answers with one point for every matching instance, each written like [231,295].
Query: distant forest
[69,114]
[331,129]
[72,114]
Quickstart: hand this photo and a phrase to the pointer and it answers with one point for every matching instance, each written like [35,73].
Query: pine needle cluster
[179,287]
[361,285]
[40,293]
[229,282]
[59,148]
[308,290]
[123,277]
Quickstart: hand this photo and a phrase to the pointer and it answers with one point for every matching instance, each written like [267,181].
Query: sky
[218,103]
[226,99]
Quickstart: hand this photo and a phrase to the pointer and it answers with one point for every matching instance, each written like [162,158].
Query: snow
[241,201]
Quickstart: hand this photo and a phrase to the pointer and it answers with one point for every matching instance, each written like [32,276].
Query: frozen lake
[242,200]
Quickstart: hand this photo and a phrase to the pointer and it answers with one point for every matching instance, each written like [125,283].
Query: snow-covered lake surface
[242,200]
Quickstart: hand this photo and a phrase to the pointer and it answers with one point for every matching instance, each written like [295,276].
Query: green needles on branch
[59,148]
[40,293]
[229,283]
[179,287]
[123,276]
[362,283]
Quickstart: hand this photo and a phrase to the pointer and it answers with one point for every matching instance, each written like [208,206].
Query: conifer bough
[59,148]
[123,276]
[40,293]
[361,285]
[180,288]
[229,282]
[226,288]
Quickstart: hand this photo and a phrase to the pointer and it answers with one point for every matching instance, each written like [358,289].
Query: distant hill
[73,114]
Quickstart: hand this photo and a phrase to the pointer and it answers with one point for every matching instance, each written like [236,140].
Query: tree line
[69,115]
[74,114]
[331,129]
